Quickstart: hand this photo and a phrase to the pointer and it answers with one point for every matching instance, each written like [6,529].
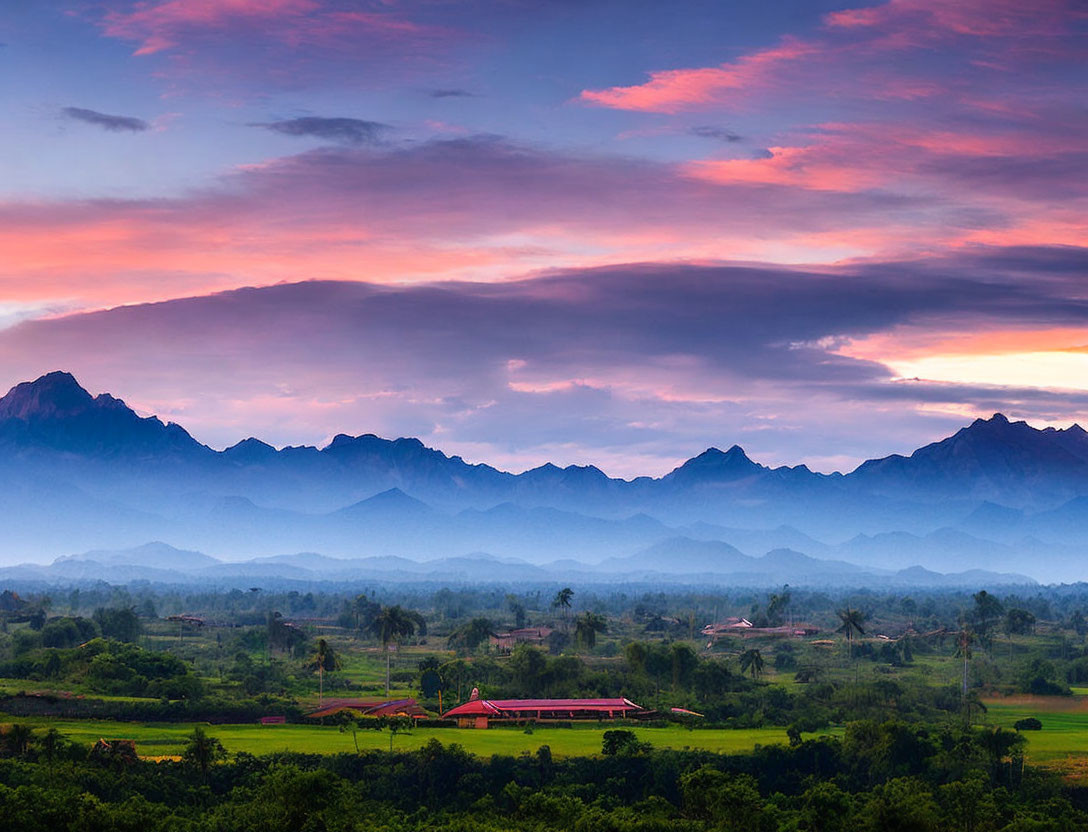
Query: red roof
[474,707]
[501,707]
[371,707]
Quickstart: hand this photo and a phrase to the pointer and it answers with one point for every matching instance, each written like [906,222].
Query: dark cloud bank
[495,363]
[115,124]
[351,131]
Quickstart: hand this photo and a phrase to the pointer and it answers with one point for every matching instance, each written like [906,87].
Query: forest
[783,709]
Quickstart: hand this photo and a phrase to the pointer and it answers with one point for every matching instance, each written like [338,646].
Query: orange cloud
[916,343]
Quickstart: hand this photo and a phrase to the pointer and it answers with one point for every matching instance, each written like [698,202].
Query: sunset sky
[584,231]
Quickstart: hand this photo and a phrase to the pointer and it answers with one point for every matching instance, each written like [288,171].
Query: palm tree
[777,604]
[391,624]
[972,703]
[587,626]
[1017,622]
[323,659]
[362,612]
[562,602]
[964,639]
[51,744]
[998,744]
[17,738]
[751,661]
[203,750]
[852,621]
[988,610]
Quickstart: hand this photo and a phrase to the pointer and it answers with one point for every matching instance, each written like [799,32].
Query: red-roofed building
[371,707]
[477,713]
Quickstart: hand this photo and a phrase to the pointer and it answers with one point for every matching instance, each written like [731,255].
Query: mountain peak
[391,500]
[55,412]
[998,421]
[713,464]
[713,456]
[250,450]
[52,395]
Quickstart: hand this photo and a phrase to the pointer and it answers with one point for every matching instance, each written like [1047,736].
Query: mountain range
[677,561]
[81,472]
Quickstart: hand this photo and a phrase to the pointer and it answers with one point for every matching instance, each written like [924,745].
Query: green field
[1064,735]
[166,739]
[1065,724]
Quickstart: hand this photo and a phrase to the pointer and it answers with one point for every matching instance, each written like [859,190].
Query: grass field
[1065,724]
[166,739]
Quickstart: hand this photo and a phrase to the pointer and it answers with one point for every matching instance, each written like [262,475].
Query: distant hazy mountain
[155,555]
[674,561]
[85,472]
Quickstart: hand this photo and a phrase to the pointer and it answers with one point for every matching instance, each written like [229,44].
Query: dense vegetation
[901,682]
[880,777]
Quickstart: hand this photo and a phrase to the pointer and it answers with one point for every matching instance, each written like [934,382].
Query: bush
[1028,724]
[68,632]
[622,742]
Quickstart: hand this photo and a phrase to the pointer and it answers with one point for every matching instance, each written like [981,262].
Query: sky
[581,231]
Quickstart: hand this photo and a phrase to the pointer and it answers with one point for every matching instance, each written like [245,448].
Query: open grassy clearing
[1065,724]
[166,739]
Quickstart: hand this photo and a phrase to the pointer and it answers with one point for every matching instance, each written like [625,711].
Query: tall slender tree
[17,739]
[964,639]
[388,625]
[51,744]
[1017,622]
[203,750]
[562,602]
[363,611]
[323,659]
[587,626]
[777,605]
[852,625]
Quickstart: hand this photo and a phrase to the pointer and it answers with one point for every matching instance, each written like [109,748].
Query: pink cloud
[849,56]
[812,168]
[850,157]
[931,19]
[454,209]
[277,43]
[670,91]
[157,26]
[486,209]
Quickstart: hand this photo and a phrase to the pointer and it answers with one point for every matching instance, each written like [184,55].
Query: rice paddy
[168,739]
